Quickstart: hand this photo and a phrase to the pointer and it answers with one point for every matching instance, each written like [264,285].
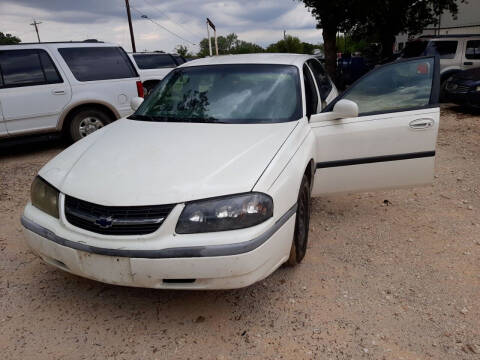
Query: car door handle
[468,63]
[420,124]
[58,92]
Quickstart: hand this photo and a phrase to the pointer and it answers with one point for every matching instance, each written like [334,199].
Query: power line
[155,8]
[143,16]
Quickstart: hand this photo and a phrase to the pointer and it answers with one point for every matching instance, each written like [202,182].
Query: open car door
[390,140]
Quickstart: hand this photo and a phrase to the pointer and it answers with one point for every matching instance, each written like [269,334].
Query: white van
[75,87]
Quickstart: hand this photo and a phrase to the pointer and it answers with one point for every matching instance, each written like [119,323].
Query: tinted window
[321,77]
[24,68]
[154,61]
[226,93]
[98,63]
[394,87]
[51,73]
[445,49]
[179,59]
[473,49]
[414,48]
[311,97]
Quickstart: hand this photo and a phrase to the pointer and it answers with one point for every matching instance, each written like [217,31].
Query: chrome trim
[176,252]
[123,222]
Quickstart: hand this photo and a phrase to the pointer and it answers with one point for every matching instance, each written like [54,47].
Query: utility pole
[35,23]
[132,38]
[209,23]
[284,34]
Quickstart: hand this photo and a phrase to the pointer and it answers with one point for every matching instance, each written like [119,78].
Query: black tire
[302,223]
[86,121]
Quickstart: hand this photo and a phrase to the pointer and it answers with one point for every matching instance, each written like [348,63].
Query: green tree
[374,18]
[182,50]
[384,19]
[290,44]
[8,39]
[229,44]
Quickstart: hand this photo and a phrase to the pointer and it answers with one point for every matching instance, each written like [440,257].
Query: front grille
[457,88]
[115,220]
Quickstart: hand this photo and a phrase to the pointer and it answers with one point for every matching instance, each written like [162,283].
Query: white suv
[154,66]
[76,87]
[456,52]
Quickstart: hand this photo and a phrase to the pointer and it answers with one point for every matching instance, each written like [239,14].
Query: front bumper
[218,266]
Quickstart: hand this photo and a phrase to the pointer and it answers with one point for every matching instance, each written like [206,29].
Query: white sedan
[208,184]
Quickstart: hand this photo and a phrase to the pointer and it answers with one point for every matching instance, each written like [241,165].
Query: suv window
[179,59]
[398,86]
[27,67]
[311,97]
[321,77]
[473,49]
[445,49]
[98,63]
[154,61]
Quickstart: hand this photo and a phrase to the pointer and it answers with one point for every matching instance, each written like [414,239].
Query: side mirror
[343,109]
[135,103]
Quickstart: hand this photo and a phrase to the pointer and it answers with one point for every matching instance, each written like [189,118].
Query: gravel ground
[381,280]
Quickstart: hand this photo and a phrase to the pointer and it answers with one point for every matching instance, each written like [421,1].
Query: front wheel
[302,223]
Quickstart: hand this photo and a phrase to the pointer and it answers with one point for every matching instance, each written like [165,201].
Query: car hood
[134,162]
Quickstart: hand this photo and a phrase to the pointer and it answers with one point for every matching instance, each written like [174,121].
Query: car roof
[265,58]
[57,44]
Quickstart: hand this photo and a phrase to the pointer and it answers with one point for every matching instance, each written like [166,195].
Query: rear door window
[154,61]
[473,49]
[98,63]
[445,49]
[27,67]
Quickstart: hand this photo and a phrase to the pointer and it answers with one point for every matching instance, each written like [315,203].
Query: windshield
[247,93]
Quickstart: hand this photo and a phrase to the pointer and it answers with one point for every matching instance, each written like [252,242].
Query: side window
[179,59]
[445,49]
[98,63]
[473,49]
[51,72]
[394,87]
[154,61]
[311,97]
[321,77]
[27,68]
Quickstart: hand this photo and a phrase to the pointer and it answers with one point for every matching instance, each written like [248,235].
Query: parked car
[75,87]
[153,66]
[463,88]
[457,52]
[208,184]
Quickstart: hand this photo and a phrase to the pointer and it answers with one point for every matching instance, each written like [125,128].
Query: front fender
[283,176]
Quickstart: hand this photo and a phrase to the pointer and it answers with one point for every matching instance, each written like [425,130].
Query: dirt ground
[380,281]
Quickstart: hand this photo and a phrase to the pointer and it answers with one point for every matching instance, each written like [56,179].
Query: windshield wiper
[174,119]
[142,117]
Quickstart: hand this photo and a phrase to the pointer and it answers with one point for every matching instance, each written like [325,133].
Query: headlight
[225,213]
[44,197]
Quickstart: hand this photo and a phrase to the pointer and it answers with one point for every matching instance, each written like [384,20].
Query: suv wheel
[86,122]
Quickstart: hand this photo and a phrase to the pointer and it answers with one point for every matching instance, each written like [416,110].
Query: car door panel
[34,98]
[399,156]
[379,150]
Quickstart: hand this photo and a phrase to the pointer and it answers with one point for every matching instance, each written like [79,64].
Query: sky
[259,21]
